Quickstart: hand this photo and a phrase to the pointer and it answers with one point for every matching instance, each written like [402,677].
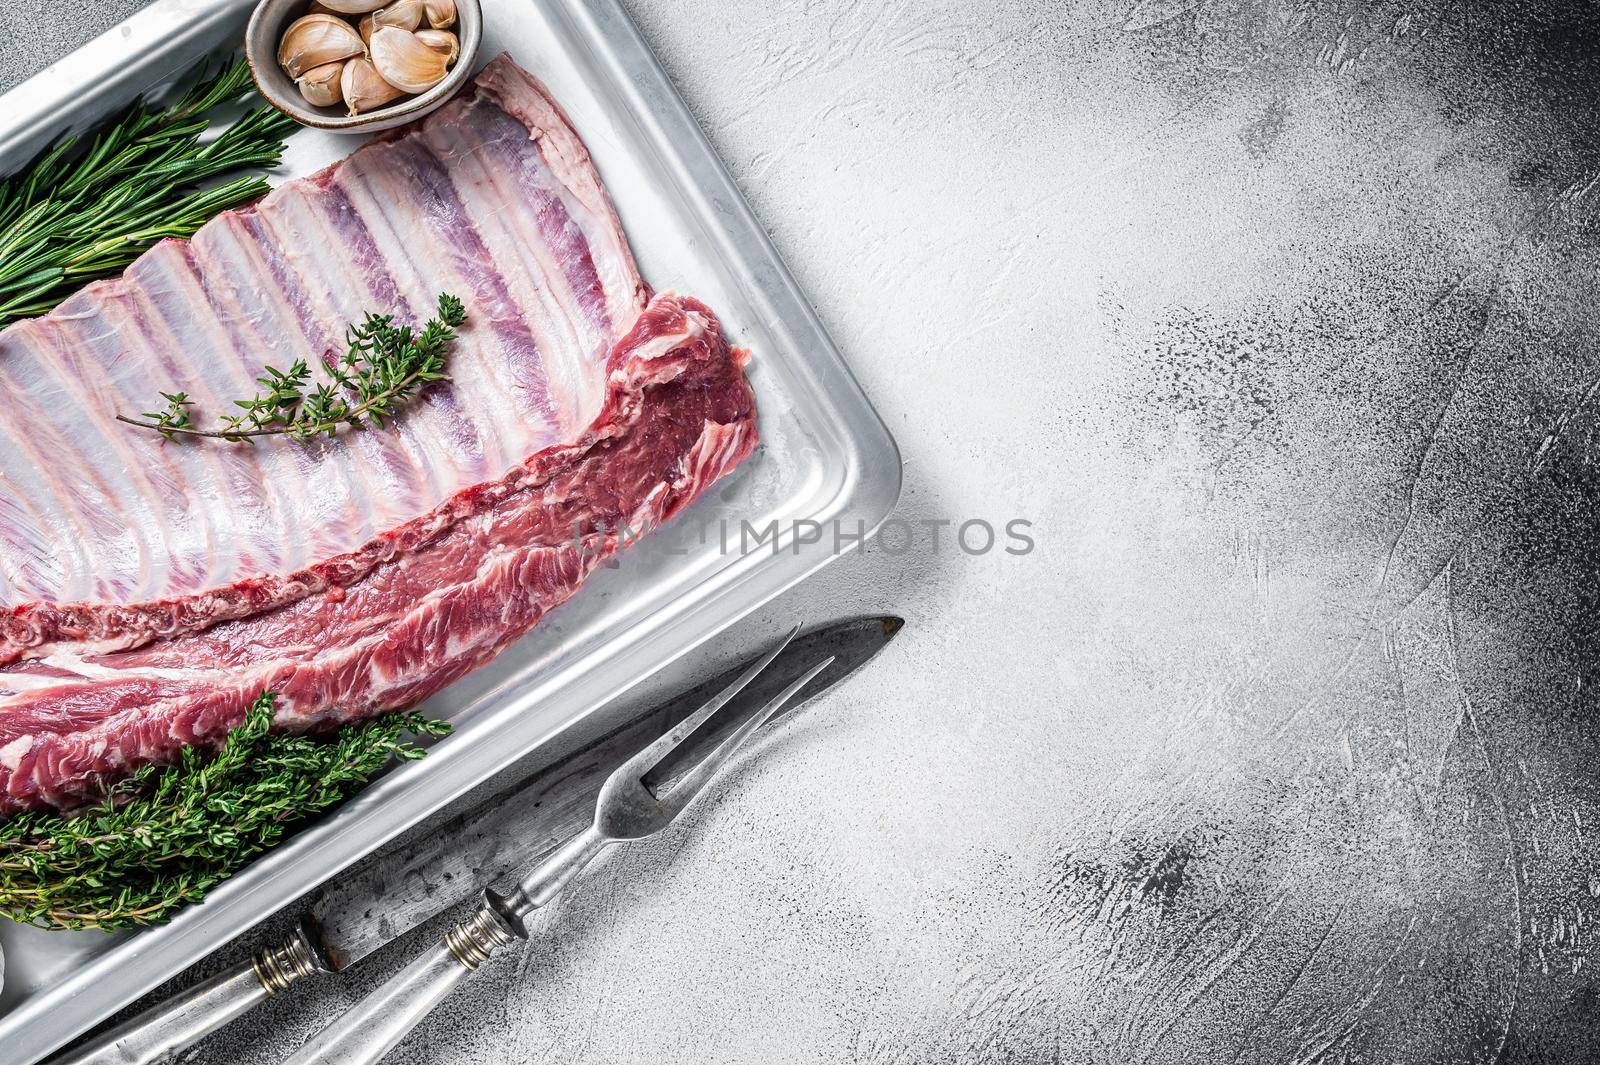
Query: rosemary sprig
[169,834]
[385,365]
[90,204]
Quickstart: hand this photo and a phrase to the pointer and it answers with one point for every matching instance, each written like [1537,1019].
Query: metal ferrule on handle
[185,1019]
[365,1034]
[553,873]
[376,1025]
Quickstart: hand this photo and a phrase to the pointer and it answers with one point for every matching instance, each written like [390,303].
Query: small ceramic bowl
[272,17]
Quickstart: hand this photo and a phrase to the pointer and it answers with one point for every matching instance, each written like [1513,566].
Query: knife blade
[511,830]
[393,893]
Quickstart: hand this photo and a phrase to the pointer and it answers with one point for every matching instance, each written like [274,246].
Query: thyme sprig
[384,367]
[167,835]
[88,205]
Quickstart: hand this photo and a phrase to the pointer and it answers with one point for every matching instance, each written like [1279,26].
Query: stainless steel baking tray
[826,457]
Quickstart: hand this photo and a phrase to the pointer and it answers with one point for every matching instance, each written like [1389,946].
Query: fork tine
[647,759]
[695,779]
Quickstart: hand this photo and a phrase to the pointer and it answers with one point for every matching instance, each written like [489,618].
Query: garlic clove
[405,62]
[402,15]
[363,88]
[441,13]
[315,40]
[352,7]
[320,85]
[442,41]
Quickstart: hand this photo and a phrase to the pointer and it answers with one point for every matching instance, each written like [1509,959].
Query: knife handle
[367,1033]
[185,1019]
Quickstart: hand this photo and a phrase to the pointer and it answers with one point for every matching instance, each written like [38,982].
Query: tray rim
[49,103]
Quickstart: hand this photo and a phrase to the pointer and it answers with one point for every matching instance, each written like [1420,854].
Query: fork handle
[378,1022]
[366,1034]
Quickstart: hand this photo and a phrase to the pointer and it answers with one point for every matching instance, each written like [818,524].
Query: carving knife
[387,897]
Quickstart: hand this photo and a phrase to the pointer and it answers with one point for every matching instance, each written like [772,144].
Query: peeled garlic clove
[405,62]
[320,85]
[402,15]
[441,13]
[442,41]
[315,40]
[352,7]
[363,88]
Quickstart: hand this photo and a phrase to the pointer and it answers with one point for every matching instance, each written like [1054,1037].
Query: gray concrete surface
[1278,320]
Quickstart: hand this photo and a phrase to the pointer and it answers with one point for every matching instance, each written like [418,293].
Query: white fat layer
[11,754]
[76,662]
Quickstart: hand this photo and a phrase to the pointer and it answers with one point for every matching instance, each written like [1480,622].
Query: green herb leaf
[167,835]
[90,204]
[386,365]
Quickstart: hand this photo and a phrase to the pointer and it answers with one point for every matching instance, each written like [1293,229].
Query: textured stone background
[1278,318]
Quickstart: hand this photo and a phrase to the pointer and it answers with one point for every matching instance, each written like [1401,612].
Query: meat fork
[639,799]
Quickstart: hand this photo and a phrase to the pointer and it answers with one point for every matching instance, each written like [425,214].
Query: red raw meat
[153,590]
